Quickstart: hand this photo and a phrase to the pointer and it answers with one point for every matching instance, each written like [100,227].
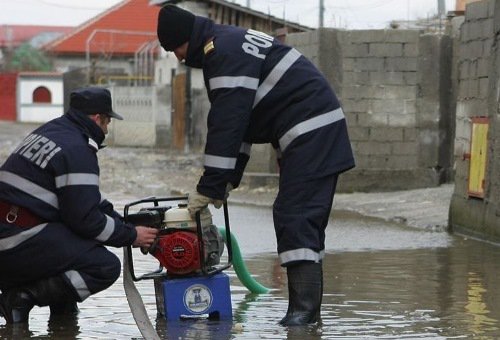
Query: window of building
[42,95]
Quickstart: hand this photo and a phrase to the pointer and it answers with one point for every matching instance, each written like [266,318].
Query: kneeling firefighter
[54,222]
[262,91]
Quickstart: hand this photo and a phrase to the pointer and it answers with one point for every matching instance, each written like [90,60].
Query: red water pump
[183,247]
[178,252]
[178,248]
[189,282]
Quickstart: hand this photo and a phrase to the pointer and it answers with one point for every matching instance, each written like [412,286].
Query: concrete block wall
[478,95]
[394,88]
[494,109]
[473,67]
[379,93]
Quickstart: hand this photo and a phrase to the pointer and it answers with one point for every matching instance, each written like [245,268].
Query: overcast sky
[351,14]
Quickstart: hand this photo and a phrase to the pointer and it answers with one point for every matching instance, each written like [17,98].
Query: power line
[64,5]
[376,4]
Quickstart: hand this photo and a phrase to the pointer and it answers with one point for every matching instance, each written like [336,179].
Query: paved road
[421,208]
[131,173]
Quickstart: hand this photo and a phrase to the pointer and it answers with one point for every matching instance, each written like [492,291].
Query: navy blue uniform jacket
[262,91]
[54,173]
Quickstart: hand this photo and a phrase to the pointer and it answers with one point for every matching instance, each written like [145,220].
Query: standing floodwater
[381,281]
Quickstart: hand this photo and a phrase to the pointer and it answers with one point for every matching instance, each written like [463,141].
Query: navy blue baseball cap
[93,100]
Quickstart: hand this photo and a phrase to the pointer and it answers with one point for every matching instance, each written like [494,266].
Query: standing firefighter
[262,91]
[54,222]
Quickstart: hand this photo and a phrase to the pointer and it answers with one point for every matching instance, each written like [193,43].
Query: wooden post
[179,111]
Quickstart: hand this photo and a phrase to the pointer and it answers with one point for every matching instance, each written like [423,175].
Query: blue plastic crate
[195,297]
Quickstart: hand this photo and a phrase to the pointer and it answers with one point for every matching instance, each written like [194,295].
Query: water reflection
[382,281]
[15,332]
[480,323]
[194,329]
[63,327]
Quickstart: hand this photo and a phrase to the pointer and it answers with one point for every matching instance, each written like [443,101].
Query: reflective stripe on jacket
[54,173]
[262,91]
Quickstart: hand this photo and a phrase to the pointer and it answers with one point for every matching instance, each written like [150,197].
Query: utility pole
[321,12]
[441,13]
[441,8]
[248,3]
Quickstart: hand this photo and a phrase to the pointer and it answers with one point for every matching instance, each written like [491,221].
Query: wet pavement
[391,270]
[131,173]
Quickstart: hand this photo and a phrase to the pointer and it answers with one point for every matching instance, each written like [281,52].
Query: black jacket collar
[88,127]
[203,30]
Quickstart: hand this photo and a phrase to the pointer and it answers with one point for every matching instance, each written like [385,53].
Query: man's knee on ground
[109,271]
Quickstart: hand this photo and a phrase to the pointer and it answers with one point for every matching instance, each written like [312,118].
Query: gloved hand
[229,187]
[197,201]
[145,236]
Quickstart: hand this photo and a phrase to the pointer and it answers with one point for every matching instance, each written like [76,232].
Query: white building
[40,96]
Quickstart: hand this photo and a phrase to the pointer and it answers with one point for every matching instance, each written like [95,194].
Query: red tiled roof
[121,30]
[15,35]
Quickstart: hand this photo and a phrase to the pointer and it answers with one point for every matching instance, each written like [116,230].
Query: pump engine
[190,273]
[181,247]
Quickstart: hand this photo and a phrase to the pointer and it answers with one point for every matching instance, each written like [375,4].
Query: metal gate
[8,96]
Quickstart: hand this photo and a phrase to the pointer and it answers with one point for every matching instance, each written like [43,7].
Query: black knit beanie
[175,26]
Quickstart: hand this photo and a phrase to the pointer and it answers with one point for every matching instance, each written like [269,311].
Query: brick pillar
[460,4]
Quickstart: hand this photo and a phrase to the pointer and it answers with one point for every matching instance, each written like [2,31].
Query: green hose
[241,269]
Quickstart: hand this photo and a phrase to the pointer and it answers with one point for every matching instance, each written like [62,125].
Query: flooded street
[382,280]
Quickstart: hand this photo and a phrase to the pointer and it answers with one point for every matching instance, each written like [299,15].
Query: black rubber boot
[64,324]
[16,304]
[305,292]
[66,308]
[64,319]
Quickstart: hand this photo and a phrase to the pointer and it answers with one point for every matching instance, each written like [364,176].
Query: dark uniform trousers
[301,212]
[87,266]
